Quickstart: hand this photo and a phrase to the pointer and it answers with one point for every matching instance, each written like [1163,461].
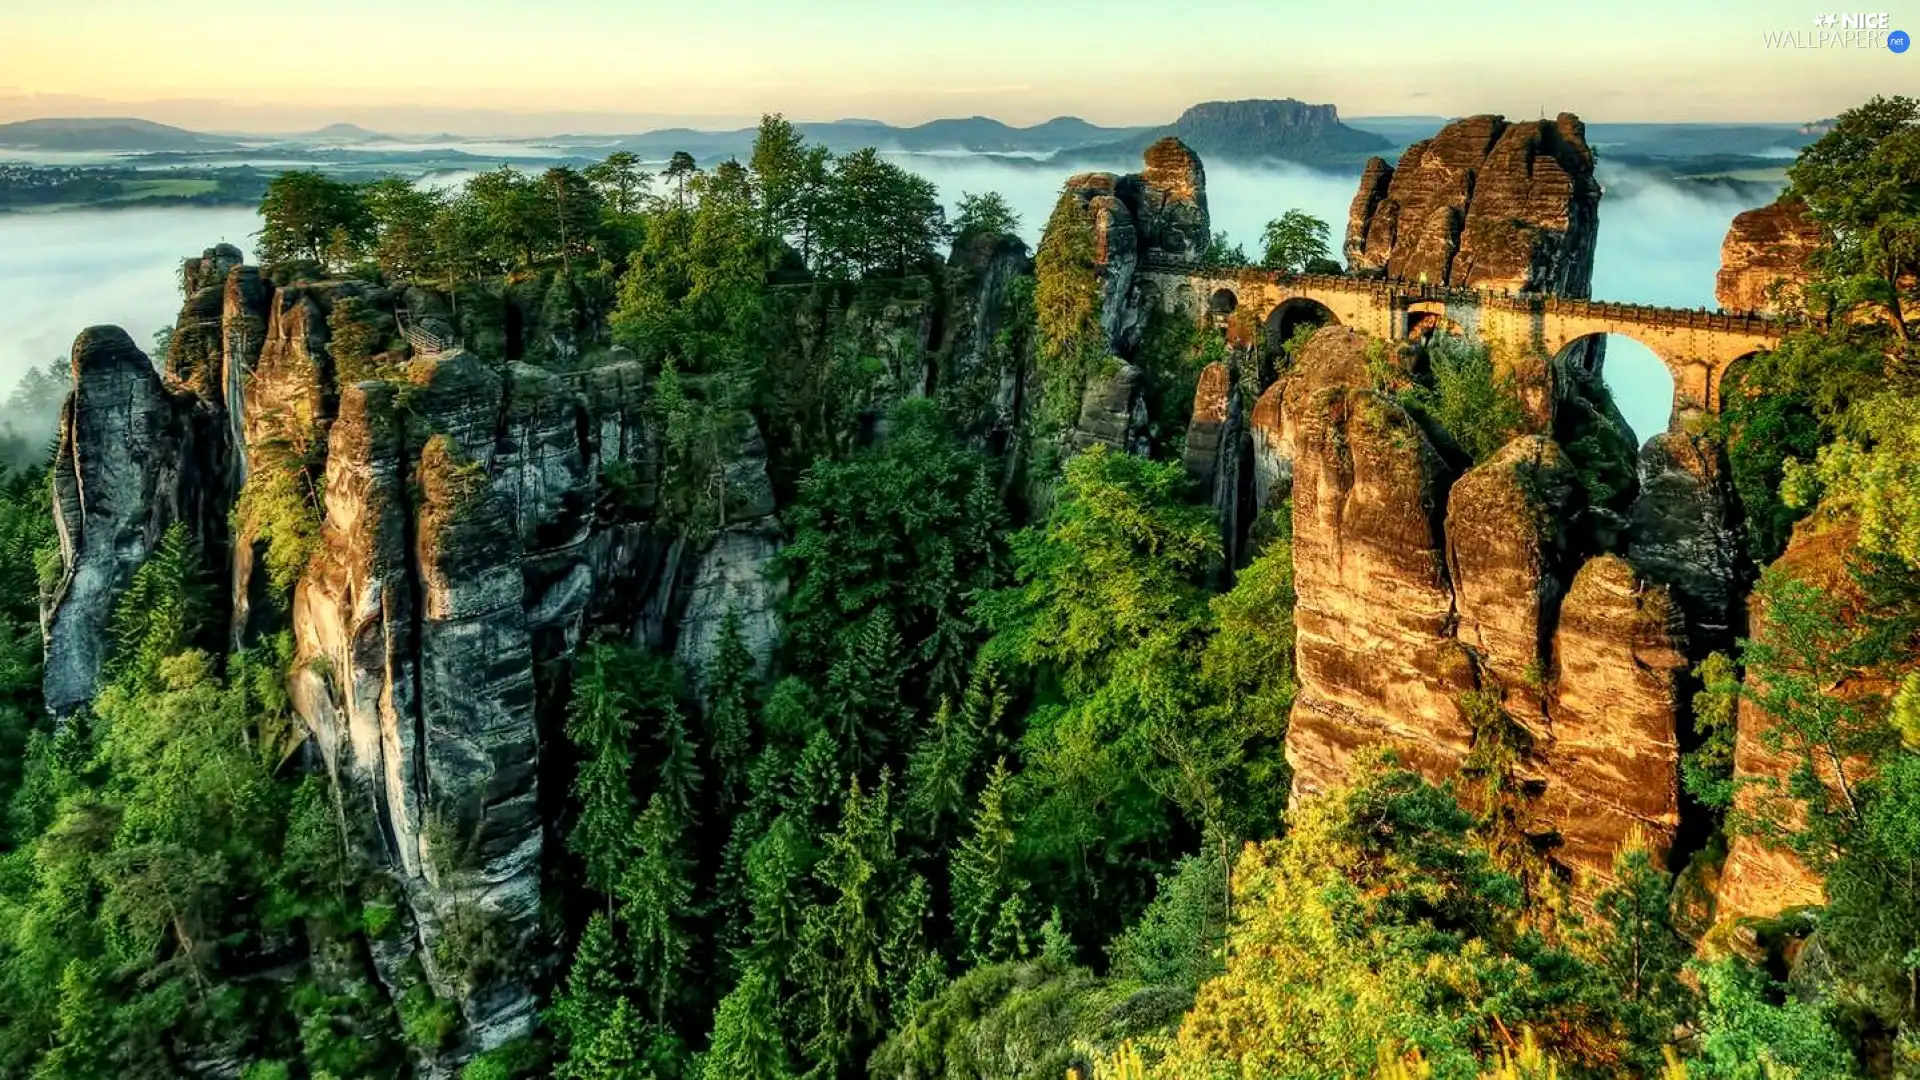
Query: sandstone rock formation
[1682,532]
[980,365]
[196,352]
[1113,410]
[458,552]
[481,518]
[1216,448]
[1763,261]
[1611,761]
[1377,662]
[1272,455]
[1414,591]
[1171,204]
[1157,217]
[1506,540]
[1483,204]
[732,577]
[135,458]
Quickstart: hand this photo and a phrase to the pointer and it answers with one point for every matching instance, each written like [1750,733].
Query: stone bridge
[1696,346]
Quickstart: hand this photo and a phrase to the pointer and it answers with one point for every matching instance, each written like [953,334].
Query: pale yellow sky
[468,65]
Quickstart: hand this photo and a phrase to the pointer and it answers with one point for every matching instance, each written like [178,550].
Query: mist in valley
[61,272]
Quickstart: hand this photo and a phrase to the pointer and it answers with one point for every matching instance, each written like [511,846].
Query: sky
[521,67]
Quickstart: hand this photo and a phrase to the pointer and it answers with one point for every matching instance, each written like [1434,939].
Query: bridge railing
[1399,289]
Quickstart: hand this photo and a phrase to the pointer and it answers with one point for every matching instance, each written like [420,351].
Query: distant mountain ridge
[105,134]
[973,134]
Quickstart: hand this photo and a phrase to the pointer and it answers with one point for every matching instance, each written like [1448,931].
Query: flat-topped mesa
[1484,204]
[1763,261]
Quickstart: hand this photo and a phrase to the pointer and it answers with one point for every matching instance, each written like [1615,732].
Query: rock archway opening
[1223,302]
[1633,376]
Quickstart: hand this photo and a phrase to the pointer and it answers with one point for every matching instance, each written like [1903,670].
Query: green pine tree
[596,987]
[730,683]
[600,724]
[656,895]
[984,879]
[747,1042]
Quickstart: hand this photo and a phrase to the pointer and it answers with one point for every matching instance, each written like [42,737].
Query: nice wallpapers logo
[1843,30]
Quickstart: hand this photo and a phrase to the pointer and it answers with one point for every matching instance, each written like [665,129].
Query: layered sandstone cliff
[136,457]
[1419,586]
[1484,204]
[1763,261]
[480,518]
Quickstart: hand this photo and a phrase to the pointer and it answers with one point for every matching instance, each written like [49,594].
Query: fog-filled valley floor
[1659,243]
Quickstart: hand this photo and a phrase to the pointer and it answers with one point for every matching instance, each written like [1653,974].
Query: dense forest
[1011,798]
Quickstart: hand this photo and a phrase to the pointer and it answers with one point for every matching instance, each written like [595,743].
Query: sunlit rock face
[1484,204]
[1507,538]
[458,553]
[1611,759]
[1422,589]
[1763,261]
[1377,660]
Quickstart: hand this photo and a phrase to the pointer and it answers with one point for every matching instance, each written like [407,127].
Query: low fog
[63,271]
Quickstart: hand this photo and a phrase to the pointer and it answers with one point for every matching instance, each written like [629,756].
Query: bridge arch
[1223,302]
[1641,382]
[1289,316]
[1425,318]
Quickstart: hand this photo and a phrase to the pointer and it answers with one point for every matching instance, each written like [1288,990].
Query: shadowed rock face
[1171,204]
[1483,204]
[1157,216]
[1682,534]
[1216,450]
[458,552]
[979,371]
[195,355]
[135,458]
[1763,261]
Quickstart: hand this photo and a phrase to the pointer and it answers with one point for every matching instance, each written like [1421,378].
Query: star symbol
[1819,20]
[1831,20]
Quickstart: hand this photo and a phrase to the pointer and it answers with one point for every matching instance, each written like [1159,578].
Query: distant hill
[973,134]
[1257,130]
[105,134]
[340,135]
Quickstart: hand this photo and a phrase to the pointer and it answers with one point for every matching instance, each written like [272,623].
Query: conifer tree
[730,679]
[600,724]
[747,1041]
[984,882]
[596,987]
[655,897]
